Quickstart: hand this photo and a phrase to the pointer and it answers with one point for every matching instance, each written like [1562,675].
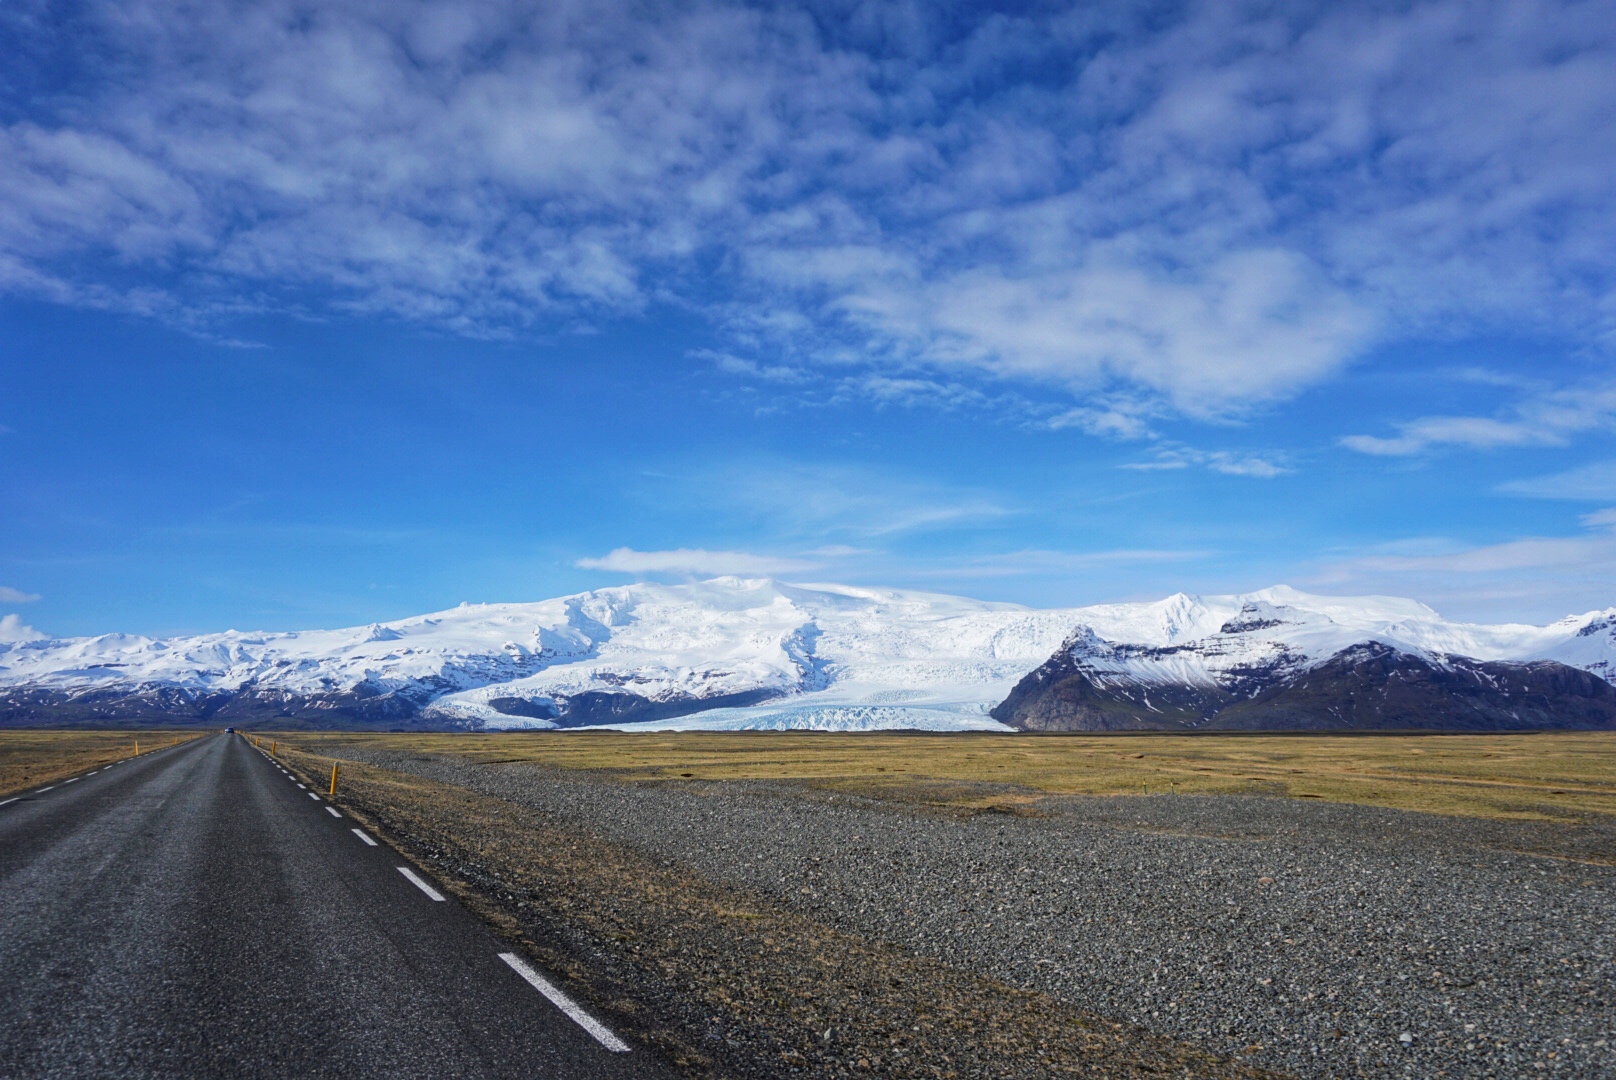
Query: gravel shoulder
[1297,936]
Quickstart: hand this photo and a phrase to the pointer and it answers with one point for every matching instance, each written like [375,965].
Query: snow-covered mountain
[736,653]
[1211,640]
[1288,660]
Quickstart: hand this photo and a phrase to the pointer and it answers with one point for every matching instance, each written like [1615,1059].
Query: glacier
[745,653]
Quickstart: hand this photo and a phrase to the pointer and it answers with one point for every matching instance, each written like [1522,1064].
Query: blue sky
[314,316]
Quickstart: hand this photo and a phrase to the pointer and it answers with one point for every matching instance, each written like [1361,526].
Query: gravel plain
[1315,938]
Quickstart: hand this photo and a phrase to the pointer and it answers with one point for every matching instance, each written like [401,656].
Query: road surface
[196,912]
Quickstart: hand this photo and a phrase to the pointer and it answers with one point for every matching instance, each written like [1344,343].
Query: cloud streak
[1594,482]
[816,503]
[696,562]
[1044,564]
[1541,577]
[1546,419]
[1228,462]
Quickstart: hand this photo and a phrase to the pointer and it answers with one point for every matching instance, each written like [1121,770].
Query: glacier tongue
[735,652]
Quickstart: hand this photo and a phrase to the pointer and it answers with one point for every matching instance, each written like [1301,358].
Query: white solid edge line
[332,810]
[415,879]
[14,798]
[565,1004]
[361,834]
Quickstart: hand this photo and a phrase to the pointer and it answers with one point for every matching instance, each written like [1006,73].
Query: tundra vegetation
[1547,776]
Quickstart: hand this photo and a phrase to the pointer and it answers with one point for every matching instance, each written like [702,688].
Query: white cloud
[736,365]
[1232,464]
[1600,519]
[1038,563]
[1595,482]
[1536,553]
[1476,432]
[815,503]
[695,561]
[1112,417]
[1238,330]
[1532,578]
[1546,419]
[1207,210]
[9,595]
[912,391]
[1229,462]
[13,629]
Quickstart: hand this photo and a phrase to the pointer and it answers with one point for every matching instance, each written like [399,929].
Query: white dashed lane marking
[565,1004]
[14,798]
[332,810]
[45,789]
[416,880]
[360,833]
[313,796]
[72,781]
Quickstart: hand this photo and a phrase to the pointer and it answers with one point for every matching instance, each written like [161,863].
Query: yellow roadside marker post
[272,746]
[137,747]
[332,793]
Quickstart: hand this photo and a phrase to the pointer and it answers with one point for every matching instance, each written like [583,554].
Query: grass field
[31,757]
[1561,776]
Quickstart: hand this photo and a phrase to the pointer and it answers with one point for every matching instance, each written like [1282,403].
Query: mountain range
[735,653]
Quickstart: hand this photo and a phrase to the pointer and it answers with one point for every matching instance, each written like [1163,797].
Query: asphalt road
[195,912]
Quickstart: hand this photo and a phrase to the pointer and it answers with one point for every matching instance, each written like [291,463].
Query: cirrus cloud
[694,561]
[1544,419]
[1541,577]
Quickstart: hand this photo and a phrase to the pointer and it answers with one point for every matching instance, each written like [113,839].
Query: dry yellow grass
[32,757]
[1559,776]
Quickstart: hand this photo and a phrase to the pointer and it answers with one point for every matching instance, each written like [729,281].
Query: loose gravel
[1317,938]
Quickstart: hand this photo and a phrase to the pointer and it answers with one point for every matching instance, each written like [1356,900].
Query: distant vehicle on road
[229,731]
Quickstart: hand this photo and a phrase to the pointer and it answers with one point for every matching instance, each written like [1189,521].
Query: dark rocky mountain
[171,706]
[178,706]
[1365,687]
